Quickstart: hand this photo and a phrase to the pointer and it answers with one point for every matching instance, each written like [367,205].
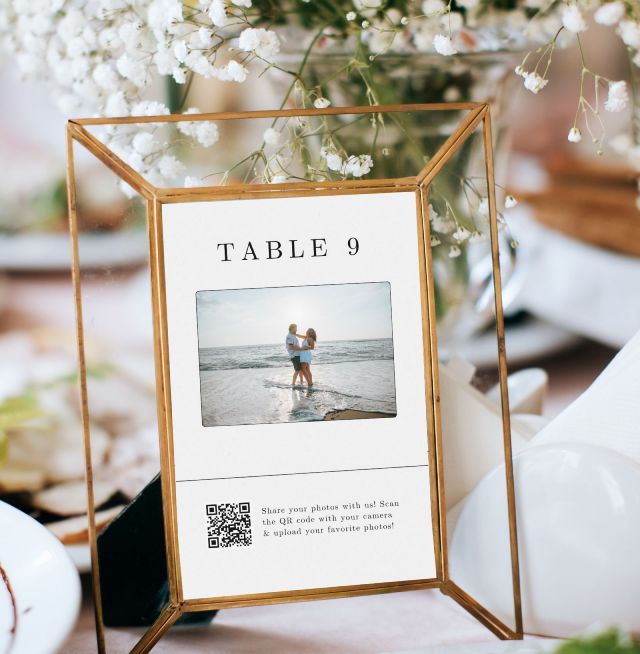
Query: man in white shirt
[293,350]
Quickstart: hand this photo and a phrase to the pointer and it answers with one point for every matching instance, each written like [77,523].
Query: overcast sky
[260,316]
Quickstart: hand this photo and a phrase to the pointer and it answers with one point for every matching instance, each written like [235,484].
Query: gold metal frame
[476,114]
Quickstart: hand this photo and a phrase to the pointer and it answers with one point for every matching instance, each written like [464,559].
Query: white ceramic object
[530,339]
[44,583]
[579,530]
[529,646]
[41,251]
[527,390]
[471,432]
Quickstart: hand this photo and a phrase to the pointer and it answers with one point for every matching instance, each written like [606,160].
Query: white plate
[45,587]
[80,554]
[531,339]
[44,252]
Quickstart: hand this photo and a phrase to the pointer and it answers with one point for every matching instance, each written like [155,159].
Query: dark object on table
[133,565]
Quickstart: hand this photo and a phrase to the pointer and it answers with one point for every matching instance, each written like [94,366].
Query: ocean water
[252,384]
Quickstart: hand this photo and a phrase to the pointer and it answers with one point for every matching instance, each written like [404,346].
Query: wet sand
[355,414]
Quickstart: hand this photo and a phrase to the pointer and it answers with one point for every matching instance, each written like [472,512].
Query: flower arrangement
[105,57]
[102,56]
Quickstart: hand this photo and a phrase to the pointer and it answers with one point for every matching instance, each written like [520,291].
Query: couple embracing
[300,353]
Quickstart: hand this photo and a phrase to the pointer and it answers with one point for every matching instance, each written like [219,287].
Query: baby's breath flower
[574,135]
[534,82]
[271,136]
[144,143]
[116,105]
[150,108]
[333,159]
[629,31]
[444,45]
[135,70]
[207,133]
[618,97]
[510,201]
[351,16]
[321,103]
[357,166]
[454,252]
[461,234]
[180,51]
[169,167]
[192,182]
[610,13]
[217,12]
[232,72]
[264,43]
[452,94]
[573,20]
[106,77]
[365,24]
[441,224]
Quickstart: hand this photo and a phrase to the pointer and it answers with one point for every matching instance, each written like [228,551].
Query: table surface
[382,623]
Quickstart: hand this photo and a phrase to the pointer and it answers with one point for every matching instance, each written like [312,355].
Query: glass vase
[462,267]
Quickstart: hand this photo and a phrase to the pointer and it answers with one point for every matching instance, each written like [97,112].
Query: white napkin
[585,289]
[608,412]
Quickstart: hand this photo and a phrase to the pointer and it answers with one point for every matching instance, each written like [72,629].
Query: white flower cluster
[351,166]
[103,54]
[432,26]
[612,13]
[100,57]
[447,231]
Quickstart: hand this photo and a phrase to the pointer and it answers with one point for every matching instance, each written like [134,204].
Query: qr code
[229,525]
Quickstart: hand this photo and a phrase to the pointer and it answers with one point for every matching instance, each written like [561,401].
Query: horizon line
[334,340]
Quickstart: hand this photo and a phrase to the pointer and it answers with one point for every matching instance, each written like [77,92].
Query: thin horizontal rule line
[311,472]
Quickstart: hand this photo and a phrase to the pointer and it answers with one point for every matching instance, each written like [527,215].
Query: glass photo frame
[297,377]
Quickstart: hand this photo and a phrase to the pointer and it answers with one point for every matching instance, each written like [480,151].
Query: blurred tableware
[472,442]
[577,286]
[527,390]
[529,646]
[579,533]
[80,555]
[40,592]
[526,339]
[4,292]
[591,201]
[42,251]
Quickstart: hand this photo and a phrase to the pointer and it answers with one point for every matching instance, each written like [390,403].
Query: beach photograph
[296,354]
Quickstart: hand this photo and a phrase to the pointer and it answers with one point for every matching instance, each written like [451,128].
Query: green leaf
[15,411]
[611,641]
